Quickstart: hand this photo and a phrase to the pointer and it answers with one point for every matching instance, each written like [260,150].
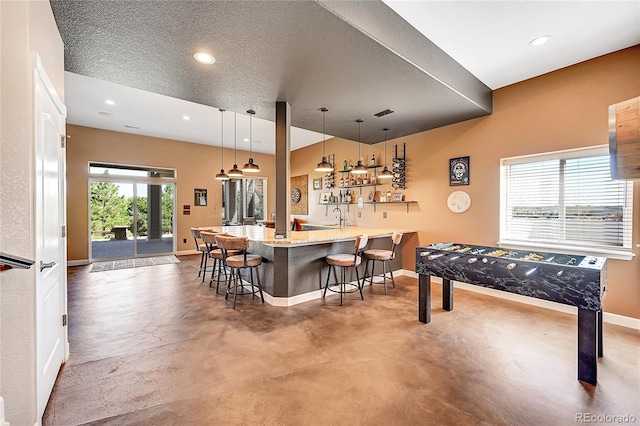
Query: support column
[283,160]
[154,212]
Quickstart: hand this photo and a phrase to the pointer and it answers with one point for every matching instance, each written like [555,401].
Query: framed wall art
[200,197]
[459,171]
[317,183]
[299,191]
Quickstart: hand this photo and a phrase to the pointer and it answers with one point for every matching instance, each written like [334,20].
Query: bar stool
[228,245]
[202,248]
[215,253]
[384,256]
[345,261]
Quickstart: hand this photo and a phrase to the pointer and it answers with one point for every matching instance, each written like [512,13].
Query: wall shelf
[407,203]
[374,204]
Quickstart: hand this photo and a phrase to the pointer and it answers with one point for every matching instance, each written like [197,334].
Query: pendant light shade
[235,172]
[222,175]
[359,168]
[250,167]
[385,173]
[324,166]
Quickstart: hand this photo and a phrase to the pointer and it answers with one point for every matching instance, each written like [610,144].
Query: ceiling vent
[383,113]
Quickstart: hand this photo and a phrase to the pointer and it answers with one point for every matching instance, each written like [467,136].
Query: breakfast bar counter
[294,268]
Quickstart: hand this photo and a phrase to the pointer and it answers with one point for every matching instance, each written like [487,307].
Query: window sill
[608,253]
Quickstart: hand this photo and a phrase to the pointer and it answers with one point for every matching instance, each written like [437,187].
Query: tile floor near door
[154,346]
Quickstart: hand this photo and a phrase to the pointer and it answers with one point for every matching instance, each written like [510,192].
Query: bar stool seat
[229,245]
[385,257]
[345,261]
[218,260]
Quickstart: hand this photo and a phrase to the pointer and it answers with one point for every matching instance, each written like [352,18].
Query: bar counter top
[266,235]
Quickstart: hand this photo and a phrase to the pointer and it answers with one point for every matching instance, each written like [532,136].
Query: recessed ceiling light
[539,41]
[186,118]
[109,102]
[204,58]
[105,114]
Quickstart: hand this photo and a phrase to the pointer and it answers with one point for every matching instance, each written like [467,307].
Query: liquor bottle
[373,160]
[345,165]
[341,182]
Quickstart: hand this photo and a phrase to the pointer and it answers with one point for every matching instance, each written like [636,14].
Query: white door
[50,263]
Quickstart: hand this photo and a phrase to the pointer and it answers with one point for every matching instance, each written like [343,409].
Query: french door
[131,219]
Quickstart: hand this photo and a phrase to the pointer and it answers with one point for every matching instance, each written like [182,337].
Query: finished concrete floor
[154,346]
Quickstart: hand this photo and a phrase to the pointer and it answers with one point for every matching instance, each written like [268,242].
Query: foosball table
[563,278]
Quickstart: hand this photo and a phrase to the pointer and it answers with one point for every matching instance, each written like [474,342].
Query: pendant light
[324,165]
[222,175]
[385,173]
[235,172]
[359,168]
[250,167]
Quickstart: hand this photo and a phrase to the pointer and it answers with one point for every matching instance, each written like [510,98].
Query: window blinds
[566,199]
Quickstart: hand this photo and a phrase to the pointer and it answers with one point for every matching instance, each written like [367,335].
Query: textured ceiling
[356,58]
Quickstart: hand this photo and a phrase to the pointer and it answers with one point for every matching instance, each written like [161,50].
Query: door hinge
[63,140]
[64,320]
[64,231]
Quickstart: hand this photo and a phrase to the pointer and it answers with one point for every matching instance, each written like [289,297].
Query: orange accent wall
[561,110]
[196,166]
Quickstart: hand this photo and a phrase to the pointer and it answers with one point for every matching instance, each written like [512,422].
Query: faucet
[338,216]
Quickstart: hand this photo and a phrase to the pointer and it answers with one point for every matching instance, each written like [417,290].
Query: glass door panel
[130,220]
[153,215]
[111,220]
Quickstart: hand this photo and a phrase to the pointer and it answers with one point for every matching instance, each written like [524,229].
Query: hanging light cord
[235,139]
[251,134]
[222,137]
[359,140]
[324,132]
[385,145]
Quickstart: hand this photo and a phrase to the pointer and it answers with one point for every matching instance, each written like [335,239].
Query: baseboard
[187,252]
[294,300]
[633,323]
[80,262]
[300,298]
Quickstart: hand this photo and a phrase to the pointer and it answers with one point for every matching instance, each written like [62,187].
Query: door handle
[44,265]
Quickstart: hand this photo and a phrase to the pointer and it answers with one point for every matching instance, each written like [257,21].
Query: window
[566,200]
[244,201]
[130,170]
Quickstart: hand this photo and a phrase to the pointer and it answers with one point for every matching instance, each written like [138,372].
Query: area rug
[112,265]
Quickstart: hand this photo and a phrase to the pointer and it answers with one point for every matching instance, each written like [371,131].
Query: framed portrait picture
[317,183]
[459,171]
[397,196]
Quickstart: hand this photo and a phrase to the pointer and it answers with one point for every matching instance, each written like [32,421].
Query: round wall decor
[459,201]
[296,195]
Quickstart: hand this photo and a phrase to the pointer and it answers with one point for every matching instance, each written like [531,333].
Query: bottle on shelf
[365,179]
[345,165]
[341,182]
[388,195]
[373,160]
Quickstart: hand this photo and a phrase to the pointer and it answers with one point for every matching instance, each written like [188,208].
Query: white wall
[26,27]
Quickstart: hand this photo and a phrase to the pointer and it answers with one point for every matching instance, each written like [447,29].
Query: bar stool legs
[345,261]
[386,269]
[236,277]
[343,282]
